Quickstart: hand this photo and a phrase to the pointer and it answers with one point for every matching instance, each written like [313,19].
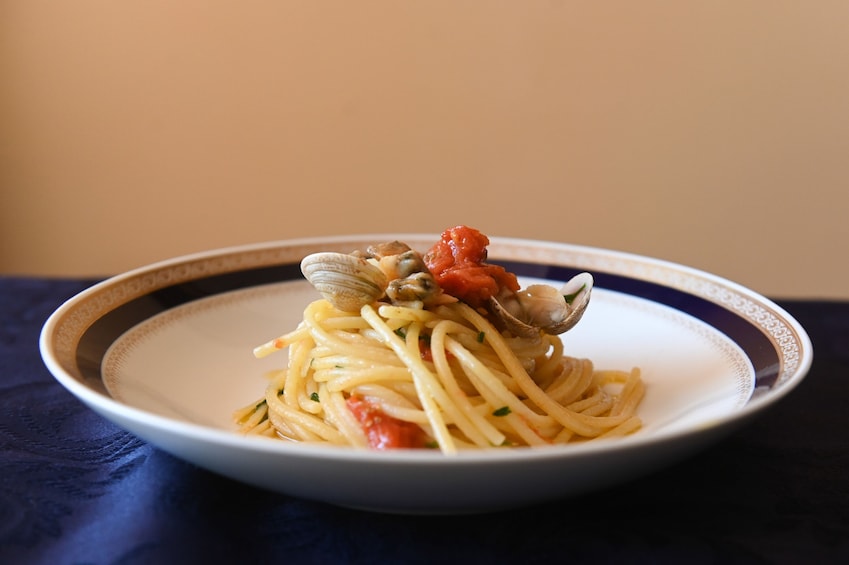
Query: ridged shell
[346,281]
[562,319]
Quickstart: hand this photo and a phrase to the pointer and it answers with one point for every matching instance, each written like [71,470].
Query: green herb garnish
[503,411]
[571,297]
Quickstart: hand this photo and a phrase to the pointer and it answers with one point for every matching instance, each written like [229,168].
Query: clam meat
[542,307]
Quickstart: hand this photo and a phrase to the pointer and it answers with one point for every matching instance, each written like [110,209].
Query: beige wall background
[713,134]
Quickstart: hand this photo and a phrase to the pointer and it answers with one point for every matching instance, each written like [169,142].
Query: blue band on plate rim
[97,338]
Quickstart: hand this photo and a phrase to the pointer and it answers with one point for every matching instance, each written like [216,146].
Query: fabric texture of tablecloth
[74,488]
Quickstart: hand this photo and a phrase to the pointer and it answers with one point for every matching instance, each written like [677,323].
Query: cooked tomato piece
[426,352]
[458,263]
[384,432]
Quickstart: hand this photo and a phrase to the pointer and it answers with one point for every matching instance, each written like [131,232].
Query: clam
[544,308]
[346,281]
[419,286]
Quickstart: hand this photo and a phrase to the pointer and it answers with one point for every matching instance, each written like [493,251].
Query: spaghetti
[411,375]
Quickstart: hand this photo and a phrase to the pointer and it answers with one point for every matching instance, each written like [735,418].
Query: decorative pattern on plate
[104,297]
[673,276]
[742,372]
[118,354]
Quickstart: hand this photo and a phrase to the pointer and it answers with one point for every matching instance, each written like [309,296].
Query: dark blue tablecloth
[76,489]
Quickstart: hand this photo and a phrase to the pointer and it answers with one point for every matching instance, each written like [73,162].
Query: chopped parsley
[314,397]
[481,336]
[571,297]
[503,411]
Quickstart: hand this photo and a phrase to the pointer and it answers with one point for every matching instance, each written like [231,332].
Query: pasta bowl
[165,352]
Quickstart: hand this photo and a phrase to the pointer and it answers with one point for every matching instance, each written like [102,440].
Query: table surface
[76,489]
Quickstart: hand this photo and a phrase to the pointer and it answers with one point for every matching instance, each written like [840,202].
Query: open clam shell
[543,307]
[346,281]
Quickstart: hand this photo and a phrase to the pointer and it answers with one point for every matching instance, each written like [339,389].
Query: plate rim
[49,342]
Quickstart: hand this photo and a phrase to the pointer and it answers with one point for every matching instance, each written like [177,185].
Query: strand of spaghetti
[517,427]
[582,424]
[354,345]
[491,388]
[586,426]
[257,416]
[408,314]
[325,311]
[412,415]
[341,341]
[530,436]
[263,428]
[281,342]
[323,360]
[286,428]
[631,395]
[424,381]
[483,433]
[407,389]
[308,398]
[551,367]
[360,338]
[315,314]
[387,395]
[628,426]
[296,395]
[347,322]
[575,380]
[243,413]
[475,342]
[452,412]
[346,379]
[611,376]
[455,403]
[306,425]
[392,403]
[597,403]
[252,415]
[338,414]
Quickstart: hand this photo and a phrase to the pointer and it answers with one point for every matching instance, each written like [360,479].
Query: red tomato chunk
[384,432]
[458,262]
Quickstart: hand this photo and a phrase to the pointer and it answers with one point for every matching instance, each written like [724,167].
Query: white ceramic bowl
[165,351]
